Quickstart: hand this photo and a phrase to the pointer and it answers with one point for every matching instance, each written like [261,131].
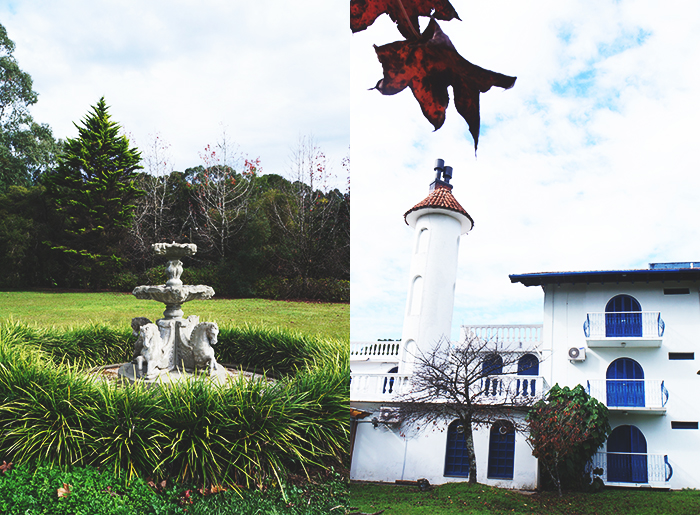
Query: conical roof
[440,198]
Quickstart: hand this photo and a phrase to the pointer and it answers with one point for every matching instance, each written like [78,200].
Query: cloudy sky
[589,162]
[262,72]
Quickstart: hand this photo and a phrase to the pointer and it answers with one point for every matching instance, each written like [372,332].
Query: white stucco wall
[387,453]
[433,272]
[565,310]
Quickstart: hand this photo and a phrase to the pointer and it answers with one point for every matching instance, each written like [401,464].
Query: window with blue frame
[491,366]
[625,383]
[623,317]
[456,457]
[528,365]
[627,455]
[501,451]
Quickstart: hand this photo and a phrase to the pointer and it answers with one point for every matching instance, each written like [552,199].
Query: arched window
[389,381]
[422,245]
[501,450]
[491,366]
[623,317]
[528,365]
[625,383]
[456,457]
[627,455]
[416,295]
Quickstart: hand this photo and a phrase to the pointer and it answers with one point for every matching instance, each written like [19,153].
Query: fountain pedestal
[173,346]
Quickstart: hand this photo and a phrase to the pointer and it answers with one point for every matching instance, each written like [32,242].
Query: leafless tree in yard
[473,382]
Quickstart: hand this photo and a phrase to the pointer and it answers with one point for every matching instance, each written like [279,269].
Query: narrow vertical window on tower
[422,246]
[416,295]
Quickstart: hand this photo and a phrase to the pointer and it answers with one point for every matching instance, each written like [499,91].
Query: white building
[627,336]
[381,371]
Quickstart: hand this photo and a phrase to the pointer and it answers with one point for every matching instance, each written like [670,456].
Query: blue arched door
[625,383]
[501,450]
[627,455]
[456,457]
[623,317]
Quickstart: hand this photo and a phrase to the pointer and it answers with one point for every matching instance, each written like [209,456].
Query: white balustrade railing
[378,387]
[497,389]
[634,468]
[528,335]
[379,350]
[509,389]
[629,393]
[627,324]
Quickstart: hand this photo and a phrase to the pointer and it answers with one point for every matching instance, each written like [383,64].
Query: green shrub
[244,432]
[281,288]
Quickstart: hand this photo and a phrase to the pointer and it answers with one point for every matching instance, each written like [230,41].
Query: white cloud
[588,162]
[267,70]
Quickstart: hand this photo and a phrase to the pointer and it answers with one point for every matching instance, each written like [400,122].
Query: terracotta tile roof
[440,197]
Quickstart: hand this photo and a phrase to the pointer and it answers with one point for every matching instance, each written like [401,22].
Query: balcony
[511,336]
[386,351]
[642,396]
[624,329]
[378,387]
[498,389]
[510,389]
[632,469]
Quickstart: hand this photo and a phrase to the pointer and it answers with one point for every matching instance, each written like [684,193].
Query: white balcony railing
[631,468]
[375,351]
[498,389]
[528,335]
[378,387]
[627,324]
[509,389]
[644,395]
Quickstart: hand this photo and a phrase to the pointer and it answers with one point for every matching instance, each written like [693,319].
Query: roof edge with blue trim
[686,271]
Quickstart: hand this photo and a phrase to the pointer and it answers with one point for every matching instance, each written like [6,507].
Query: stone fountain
[173,346]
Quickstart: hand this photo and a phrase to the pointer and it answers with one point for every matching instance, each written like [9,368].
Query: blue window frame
[528,365]
[501,451]
[456,457]
[627,459]
[492,366]
[627,386]
[623,317]
[390,381]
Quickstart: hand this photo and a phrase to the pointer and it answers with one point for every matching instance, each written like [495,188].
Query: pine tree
[94,187]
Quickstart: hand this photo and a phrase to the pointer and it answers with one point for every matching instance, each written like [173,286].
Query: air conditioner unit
[577,353]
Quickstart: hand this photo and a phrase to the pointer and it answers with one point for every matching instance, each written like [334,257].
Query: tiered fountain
[173,346]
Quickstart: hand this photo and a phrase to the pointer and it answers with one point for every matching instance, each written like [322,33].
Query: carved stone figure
[203,337]
[173,345]
[151,351]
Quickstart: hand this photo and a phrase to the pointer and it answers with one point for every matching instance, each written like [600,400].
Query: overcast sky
[264,72]
[589,162]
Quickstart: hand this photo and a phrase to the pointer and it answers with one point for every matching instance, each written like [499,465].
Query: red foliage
[405,13]
[428,65]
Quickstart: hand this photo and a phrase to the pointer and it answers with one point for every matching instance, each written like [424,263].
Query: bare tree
[152,221]
[472,381]
[222,191]
[311,219]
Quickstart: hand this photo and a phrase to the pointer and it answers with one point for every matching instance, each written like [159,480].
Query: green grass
[46,309]
[26,490]
[466,499]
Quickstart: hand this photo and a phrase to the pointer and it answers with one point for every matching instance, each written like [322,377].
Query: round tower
[438,221]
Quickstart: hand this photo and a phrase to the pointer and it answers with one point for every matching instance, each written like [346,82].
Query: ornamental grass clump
[245,432]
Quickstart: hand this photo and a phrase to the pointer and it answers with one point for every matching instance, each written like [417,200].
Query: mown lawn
[46,309]
[466,499]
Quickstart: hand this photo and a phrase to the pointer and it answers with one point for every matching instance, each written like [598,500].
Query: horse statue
[148,348]
[203,336]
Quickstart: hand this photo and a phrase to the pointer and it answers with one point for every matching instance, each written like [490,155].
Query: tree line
[83,213]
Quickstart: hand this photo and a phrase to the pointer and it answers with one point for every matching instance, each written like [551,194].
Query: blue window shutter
[456,457]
